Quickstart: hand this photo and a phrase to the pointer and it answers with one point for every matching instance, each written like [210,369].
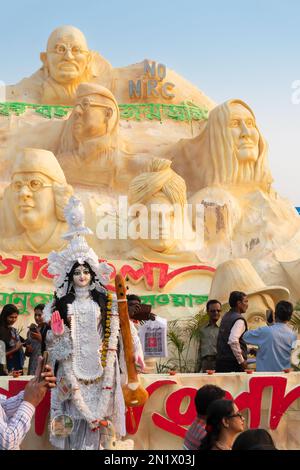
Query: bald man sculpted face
[67,56]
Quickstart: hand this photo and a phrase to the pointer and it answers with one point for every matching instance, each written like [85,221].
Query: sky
[228,49]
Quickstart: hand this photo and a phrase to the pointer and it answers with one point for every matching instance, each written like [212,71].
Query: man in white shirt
[231,348]
[16,412]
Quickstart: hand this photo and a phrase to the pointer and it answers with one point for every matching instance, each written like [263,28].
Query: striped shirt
[195,434]
[15,421]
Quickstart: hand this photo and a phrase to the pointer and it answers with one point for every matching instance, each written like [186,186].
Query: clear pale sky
[229,49]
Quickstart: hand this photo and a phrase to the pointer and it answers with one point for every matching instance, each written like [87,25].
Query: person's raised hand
[57,324]
[35,391]
[37,336]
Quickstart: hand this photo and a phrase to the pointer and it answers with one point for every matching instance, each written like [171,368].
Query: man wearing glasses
[208,337]
[33,203]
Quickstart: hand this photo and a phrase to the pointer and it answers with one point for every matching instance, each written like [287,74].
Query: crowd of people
[226,348]
[219,425]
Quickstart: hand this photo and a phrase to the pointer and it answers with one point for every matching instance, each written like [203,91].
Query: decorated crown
[61,263]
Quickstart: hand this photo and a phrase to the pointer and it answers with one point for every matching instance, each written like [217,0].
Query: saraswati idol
[84,343]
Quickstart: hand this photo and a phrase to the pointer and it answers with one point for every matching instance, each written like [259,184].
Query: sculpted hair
[160,178]
[221,165]
[62,304]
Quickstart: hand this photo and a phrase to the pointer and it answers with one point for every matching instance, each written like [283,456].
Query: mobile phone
[144,313]
[43,366]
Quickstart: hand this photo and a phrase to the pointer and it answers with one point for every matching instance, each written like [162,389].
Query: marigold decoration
[107,330]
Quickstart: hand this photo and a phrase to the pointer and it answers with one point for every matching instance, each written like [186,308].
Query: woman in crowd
[224,422]
[10,336]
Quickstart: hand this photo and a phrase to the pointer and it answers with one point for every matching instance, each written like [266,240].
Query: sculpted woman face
[81,276]
[244,133]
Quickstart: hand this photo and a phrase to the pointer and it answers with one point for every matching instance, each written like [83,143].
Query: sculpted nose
[245,131]
[69,54]
[25,191]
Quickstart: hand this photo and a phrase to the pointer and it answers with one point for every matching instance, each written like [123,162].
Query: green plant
[181,336]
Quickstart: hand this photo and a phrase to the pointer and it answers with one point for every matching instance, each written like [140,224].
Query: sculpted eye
[60,48]
[250,123]
[17,186]
[76,50]
[35,185]
[234,123]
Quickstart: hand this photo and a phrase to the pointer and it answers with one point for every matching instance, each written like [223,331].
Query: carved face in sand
[91,118]
[161,223]
[33,199]
[67,55]
[256,313]
[244,133]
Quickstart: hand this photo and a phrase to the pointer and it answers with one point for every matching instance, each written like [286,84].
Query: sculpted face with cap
[38,193]
[68,57]
[95,114]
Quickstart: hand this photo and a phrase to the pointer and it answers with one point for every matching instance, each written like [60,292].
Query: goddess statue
[83,341]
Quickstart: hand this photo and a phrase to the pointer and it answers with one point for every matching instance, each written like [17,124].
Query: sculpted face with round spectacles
[67,55]
[36,197]
[67,62]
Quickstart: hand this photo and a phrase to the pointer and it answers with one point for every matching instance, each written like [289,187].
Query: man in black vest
[231,348]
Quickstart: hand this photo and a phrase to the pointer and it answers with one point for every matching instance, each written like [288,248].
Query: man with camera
[16,412]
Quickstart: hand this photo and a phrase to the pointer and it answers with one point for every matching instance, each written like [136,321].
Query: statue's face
[256,313]
[67,56]
[161,229]
[90,118]
[82,277]
[244,133]
[33,200]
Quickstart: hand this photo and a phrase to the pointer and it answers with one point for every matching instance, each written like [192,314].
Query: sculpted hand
[57,324]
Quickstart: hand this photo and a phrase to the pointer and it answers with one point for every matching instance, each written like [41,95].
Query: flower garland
[107,331]
[107,383]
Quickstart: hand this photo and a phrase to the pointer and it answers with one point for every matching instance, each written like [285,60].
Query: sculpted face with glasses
[67,57]
[36,197]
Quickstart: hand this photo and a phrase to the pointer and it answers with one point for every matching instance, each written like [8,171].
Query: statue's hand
[139,365]
[57,324]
